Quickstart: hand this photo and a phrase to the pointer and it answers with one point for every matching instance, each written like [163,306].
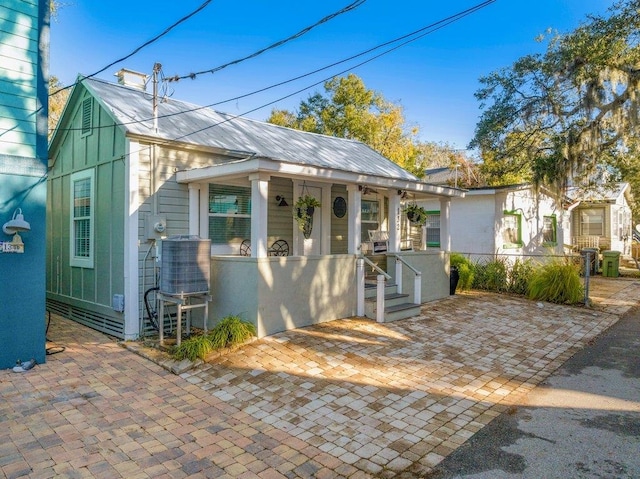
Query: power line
[147,43]
[438,25]
[426,30]
[302,32]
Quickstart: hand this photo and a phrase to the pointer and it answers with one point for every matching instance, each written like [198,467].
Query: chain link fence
[511,273]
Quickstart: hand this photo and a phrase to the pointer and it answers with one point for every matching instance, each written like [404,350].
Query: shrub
[465,270]
[231,331]
[556,282]
[492,276]
[520,276]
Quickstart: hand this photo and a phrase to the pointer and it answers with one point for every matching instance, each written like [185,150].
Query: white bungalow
[121,180]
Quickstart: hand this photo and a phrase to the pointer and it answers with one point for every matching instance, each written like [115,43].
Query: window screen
[511,233]
[549,230]
[82,215]
[229,214]
[432,226]
[592,222]
[370,218]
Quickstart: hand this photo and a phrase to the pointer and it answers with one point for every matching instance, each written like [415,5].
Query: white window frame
[82,261]
[430,227]
[552,222]
[369,219]
[223,246]
[586,226]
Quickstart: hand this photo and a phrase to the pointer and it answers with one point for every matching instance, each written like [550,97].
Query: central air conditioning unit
[185,263]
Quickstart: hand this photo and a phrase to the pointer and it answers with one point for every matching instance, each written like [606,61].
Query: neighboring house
[231,180]
[24,44]
[602,218]
[512,220]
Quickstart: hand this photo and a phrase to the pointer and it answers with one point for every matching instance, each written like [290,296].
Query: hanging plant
[303,213]
[417,215]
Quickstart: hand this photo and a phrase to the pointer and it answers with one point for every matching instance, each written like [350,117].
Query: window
[370,219]
[432,226]
[87,113]
[229,214]
[549,230]
[82,216]
[592,222]
[512,230]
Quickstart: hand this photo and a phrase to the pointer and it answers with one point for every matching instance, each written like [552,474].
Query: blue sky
[434,78]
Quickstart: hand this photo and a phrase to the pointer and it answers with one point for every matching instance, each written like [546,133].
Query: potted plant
[303,213]
[416,214]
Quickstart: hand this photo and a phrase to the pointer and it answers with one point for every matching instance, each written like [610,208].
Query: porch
[247,209]
[288,292]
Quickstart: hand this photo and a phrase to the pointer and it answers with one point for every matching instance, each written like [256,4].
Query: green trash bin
[611,264]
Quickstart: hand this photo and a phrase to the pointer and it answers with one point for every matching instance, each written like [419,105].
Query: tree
[559,116]
[56,102]
[350,110]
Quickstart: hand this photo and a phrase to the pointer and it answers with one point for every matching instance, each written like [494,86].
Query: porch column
[354,224]
[204,210]
[259,197]
[394,222]
[445,223]
[132,323]
[194,208]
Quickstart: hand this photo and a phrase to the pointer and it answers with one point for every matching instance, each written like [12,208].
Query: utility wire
[423,31]
[437,26]
[154,39]
[305,30]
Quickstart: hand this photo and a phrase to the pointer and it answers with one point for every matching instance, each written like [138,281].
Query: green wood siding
[19,64]
[339,226]
[88,292]
[280,218]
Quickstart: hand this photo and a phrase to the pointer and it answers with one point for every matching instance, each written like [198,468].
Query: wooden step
[401,311]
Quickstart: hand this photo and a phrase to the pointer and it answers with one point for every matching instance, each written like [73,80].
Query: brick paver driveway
[349,398]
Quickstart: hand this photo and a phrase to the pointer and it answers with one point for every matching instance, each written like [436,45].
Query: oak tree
[350,110]
[571,111]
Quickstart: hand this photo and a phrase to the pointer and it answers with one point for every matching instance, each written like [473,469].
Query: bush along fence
[557,279]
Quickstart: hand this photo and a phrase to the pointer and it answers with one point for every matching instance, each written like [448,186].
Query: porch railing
[417,284]
[380,287]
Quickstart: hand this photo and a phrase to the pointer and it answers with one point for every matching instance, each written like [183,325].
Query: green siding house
[23,168]
[122,180]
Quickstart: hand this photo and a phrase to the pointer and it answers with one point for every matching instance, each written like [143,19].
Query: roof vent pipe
[132,79]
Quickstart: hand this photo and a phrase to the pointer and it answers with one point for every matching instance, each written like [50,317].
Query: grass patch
[229,332]
[195,347]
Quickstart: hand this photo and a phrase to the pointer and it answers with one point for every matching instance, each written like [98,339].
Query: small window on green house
[82,218]
[229,214]
[550,230]
[512,230]
[432,226]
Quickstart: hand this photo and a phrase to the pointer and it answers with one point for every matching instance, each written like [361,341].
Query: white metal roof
[187,123]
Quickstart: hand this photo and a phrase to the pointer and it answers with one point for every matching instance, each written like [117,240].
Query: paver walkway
[349,398]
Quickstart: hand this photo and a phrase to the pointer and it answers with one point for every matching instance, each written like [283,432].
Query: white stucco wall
[476,221]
